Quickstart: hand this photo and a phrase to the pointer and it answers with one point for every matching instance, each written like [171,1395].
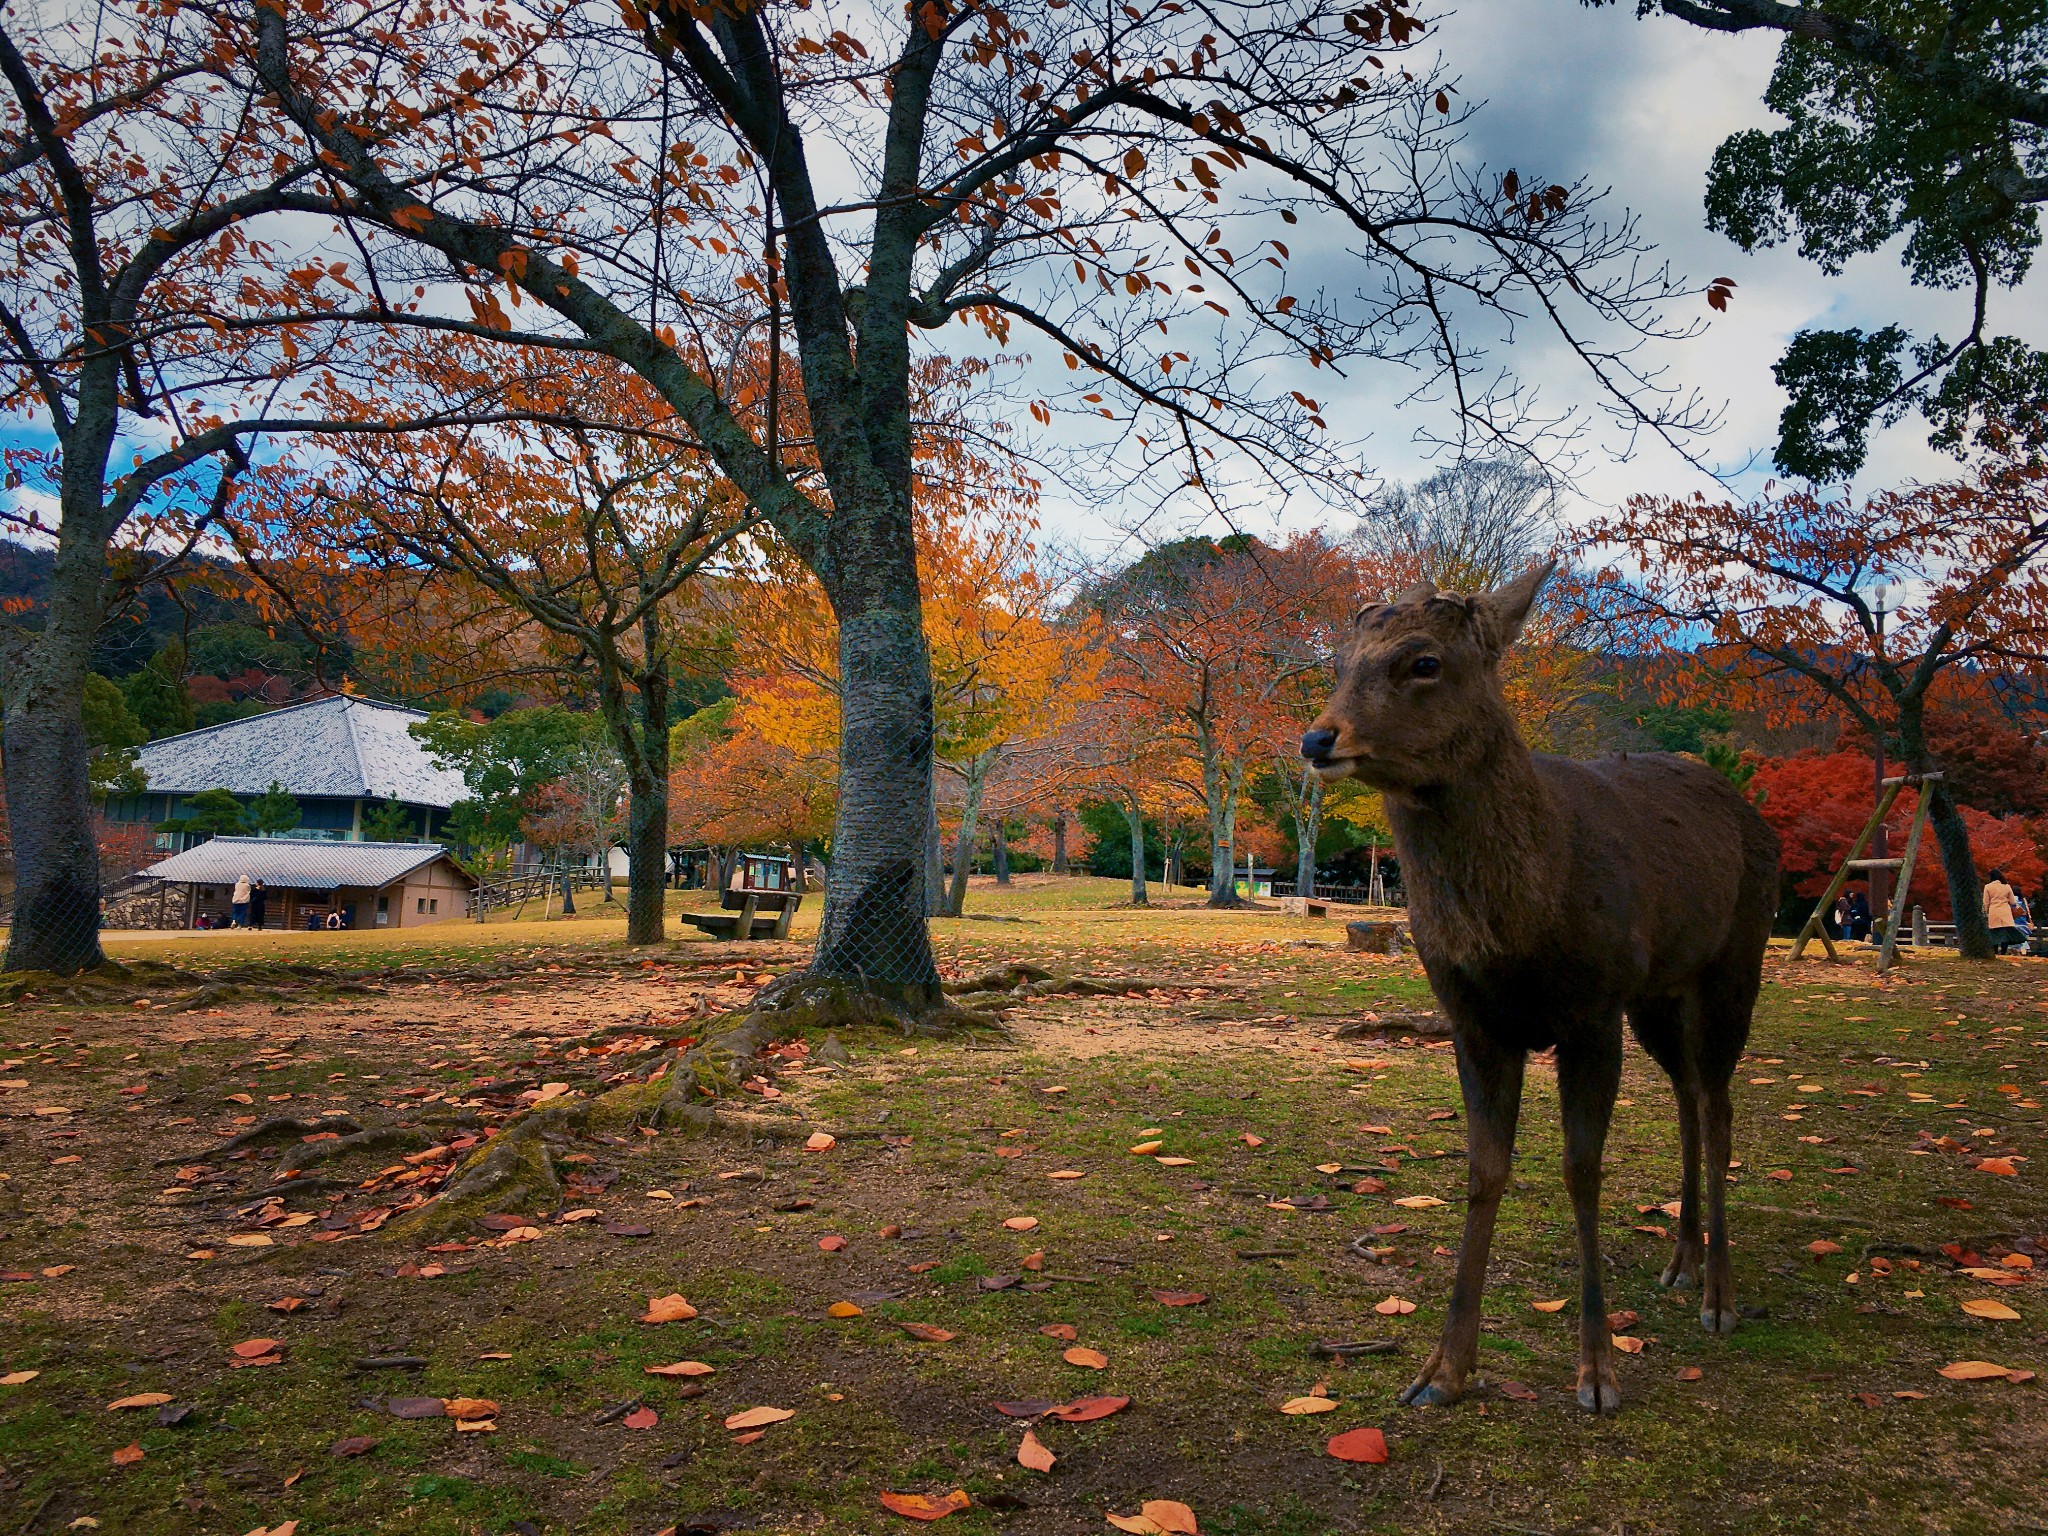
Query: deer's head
[1418,688]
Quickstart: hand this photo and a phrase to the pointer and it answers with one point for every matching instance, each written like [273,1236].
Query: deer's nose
[1316,745]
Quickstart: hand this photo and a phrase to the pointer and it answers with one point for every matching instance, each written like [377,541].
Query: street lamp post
[1880,879]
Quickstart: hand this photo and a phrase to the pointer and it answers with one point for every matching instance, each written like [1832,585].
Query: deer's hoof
[1720,1320]
[1597,1396]
[1428,1394]
[1678,1276]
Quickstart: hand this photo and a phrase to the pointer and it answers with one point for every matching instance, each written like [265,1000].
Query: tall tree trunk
[46,759]
[1308,827]
[934,863]
[1002,850]
[1059,842]
[1951,836]
[873,932]
[1134,817]
[1965,891]
[1220,793]
[963,844]
[647,817]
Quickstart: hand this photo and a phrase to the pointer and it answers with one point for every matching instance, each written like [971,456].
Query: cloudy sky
[1638,106]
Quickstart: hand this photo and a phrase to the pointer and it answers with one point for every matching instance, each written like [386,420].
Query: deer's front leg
[1490,1077]
[1587,1079]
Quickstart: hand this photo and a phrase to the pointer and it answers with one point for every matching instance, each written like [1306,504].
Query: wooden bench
[749,915]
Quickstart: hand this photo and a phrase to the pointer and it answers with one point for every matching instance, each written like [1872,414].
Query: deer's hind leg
[1664,1026]
[1721,1030]
[1588,1076]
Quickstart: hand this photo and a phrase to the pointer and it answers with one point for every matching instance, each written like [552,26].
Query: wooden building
[372,885]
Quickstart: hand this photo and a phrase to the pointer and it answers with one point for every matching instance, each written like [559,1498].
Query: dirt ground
[1176,1198]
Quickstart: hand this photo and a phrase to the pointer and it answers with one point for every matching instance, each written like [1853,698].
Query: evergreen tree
[157,695]
[272,813]
[210,813]
[390,822]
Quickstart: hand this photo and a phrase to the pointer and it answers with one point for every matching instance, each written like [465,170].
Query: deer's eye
[1425,666]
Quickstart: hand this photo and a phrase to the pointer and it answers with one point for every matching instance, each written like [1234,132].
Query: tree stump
[1373,938]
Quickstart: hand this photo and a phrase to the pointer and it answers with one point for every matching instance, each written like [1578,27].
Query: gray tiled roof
[298,864]
[340,746]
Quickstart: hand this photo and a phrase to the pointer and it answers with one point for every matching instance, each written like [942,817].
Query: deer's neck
[1476,856]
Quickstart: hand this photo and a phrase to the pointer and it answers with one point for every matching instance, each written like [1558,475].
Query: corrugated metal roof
[294,863]
[339,746]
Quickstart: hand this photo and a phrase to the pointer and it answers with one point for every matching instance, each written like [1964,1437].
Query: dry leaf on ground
[1032,1454]
[682,1368]
[920,1506]
[1368,1445]
[1080,1354]
[667,1309]
[1997,1311]
[1973,1370]
[1308,1405]
[755,1418]
[1171,1516]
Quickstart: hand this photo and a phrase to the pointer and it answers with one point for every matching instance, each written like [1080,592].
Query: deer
[1548,898]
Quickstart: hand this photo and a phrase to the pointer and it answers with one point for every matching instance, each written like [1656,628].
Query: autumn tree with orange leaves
[1777,597]
[1205,641]
[592,534]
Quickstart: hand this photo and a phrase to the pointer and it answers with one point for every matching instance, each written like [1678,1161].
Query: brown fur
[1548,898]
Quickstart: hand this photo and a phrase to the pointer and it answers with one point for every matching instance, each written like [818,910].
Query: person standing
[238,903]
[1998,913]
[1858,925]
[257,897]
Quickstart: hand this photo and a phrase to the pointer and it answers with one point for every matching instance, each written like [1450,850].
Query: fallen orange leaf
[1626,1344]
[128,1455]
[682,1368]
[1080,1354]
[928,1332]
[1299,1405]
[1032,1454]
[1085,1410]
[1972,1370]
[1367,1445]
[1394,1306]
[667,1309]
[1548,1306]
[249,1349]
[842,1309]
[755,1418]
[140,1400]
[1171,1516]
[919,1506]
[1997,1311]
[469,1407]
[1021,1223]
[820,1142]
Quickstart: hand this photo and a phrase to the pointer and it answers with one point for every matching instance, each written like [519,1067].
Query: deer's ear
[1502,612]
[1418,594]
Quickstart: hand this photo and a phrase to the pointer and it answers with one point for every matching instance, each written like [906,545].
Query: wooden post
[1816,926]
[748,907]
[1890,953]
[1919,927]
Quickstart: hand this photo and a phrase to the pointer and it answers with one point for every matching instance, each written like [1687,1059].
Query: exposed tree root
[303,1157]
[275,1128]
[515,1170]
[1012,984]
